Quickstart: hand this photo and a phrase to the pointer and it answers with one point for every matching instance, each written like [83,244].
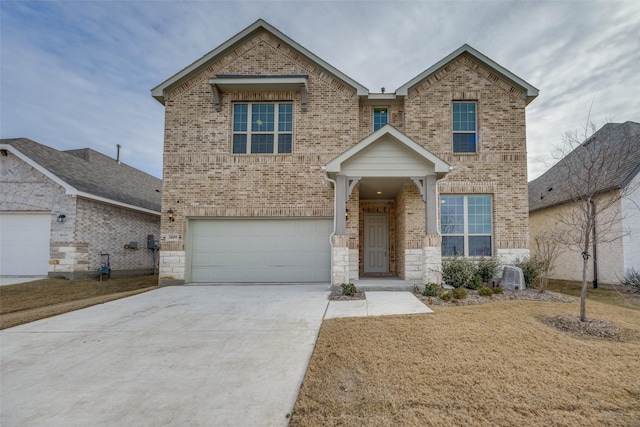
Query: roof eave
[159,92]
[529,92]
[70,189]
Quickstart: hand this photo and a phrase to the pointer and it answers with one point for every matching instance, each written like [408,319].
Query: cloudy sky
[78,74]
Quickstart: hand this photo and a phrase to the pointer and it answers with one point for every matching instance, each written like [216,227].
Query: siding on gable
[386,158]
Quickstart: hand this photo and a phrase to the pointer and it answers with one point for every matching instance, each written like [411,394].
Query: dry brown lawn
[27,302]
[495,364]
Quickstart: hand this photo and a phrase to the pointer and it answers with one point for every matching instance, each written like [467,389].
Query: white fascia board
[116,203]
[530,91]
[159,91]
[381,99]
[69,189]
[440,166]
[260,83]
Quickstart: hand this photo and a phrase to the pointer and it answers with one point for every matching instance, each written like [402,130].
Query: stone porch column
[339,260]
[432,258]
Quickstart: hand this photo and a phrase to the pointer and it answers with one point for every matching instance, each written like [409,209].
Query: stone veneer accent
[340,264]
[432,257]
[509,256]
[172,267]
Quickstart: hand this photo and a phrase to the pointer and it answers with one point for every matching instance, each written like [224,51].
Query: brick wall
[202,178]
[499,167]
[107,228]
[89,227]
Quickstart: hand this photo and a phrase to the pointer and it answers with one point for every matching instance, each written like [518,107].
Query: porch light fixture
[346,214]
[170,213]
[61,218]
[379,193]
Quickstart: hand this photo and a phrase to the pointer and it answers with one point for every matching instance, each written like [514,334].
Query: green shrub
[431,290]
[476,283]
[458,272]
[531,269]
[348,289]
[485,292]
[487,268]
[632,280]
[497,290]
[445,295]
[460,293]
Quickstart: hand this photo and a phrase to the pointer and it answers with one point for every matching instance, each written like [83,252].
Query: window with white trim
[380,117]
[262,127]
[466,224]
[464,127]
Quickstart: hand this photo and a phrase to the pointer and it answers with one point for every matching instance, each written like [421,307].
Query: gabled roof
[158,92]
[529,91]
[90,174]
[440,166]
[546,190]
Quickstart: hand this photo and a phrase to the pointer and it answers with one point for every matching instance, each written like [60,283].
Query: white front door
[376,242]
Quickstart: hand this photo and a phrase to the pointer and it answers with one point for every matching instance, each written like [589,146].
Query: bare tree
[588,180]
[546,253]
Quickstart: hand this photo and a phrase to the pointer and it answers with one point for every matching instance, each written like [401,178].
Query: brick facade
[202,178]
[89,227]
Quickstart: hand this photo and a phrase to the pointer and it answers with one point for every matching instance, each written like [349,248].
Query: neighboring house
[548,200]
[280,168]
[61,210]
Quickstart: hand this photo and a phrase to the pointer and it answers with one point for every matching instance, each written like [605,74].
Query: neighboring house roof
[546,190]
[159,91]
[90,174]
[529,91]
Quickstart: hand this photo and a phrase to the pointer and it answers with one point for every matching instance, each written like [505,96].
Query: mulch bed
[591,327]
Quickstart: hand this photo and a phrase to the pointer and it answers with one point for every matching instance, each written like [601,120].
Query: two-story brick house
[280,168]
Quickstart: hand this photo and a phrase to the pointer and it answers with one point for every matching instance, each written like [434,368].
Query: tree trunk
[583,293]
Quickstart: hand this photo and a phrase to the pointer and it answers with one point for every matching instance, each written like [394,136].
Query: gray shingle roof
[94,173]
[547,190]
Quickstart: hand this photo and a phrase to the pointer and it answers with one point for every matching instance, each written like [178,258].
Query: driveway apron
[184,355]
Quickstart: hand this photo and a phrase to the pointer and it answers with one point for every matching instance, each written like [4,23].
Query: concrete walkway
[175,356]
[378,304]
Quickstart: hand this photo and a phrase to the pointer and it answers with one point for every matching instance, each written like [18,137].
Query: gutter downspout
[335,208]
[595,247]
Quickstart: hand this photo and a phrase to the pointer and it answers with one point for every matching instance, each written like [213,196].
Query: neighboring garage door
[260,250]
[24,244]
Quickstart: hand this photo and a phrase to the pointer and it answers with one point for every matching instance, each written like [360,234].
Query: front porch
[386,210]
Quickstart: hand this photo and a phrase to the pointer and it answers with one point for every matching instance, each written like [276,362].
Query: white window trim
[465,236]
[249,132]
[475,132]
[373,116]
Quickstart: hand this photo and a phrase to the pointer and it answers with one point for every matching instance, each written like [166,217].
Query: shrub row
[462,272]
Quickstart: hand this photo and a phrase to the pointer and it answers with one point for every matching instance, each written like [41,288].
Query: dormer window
[264,128]
[464,127]
[380,117]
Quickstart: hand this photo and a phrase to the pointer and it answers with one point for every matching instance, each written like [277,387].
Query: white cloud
[78,74]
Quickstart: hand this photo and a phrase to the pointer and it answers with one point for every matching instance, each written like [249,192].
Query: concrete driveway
[184,355]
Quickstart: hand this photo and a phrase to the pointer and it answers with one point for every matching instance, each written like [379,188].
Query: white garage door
[260,250]
[24,244]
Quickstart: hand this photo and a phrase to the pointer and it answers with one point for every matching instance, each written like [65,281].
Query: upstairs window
[262,128]
[380,118]
[466,225]
[464,127]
